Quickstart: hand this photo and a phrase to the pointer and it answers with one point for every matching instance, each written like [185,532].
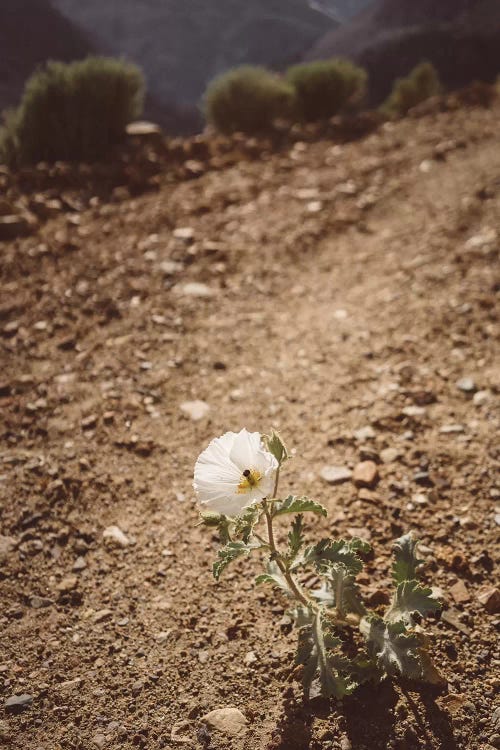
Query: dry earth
[342,287]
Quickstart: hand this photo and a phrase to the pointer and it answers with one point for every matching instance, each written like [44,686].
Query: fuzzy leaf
[295,538]
[302,616]
[313,652]
[395,648]
[344,592]
[275,577]
[218,521]
[227,554]
[277,447]
[411,597]
[406,561]
[294,504]
[245,523]
[336,551]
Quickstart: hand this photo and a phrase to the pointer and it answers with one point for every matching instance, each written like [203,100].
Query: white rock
[365,433]
[481,397]
[389,455]
[414,411]
[196,289]
[114,536]
[229,721]
[467,385]
[184,233]
[451,429]
[335,474]
[195,410]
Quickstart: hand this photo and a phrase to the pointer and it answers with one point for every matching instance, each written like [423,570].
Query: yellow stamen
[249,479]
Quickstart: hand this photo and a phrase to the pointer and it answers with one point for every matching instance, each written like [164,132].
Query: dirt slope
[350,285]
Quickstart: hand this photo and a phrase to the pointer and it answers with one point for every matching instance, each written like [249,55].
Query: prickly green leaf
[275,577]
[245,523]
[227,554]
[294,504]
[295,538]
[217,521]
[406,561]
[411,597]
[395,648]
[344,592]
[315,644]
[336,551]
[277,447]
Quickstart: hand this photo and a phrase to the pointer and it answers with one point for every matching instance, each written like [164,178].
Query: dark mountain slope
[182,44]
[461,37]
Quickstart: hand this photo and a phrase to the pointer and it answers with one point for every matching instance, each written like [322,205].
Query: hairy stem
[275,555]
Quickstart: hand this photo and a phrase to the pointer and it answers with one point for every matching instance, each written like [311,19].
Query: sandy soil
[342,288]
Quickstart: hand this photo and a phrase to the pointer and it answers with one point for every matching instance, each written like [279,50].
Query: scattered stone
[414,411]
[452,429]
[466,385]
[67,584]
[17,703]
[490,599]
[184,233]
[137,687]
[88,423]
[177,734]
[452,617]
[420,499]
[390,455]
[366,474]
[335,474]
[459,592]
[170,267]
[99,740]
[5,734]
[196,289]
[423,478]
[195,410]
[250,658]
[367,453]
[453,702]
[13,226]
[229,721]
[79,564]
[7,544]
[102,614]
[365,433]
[40,602]
[114,537]
[481,398]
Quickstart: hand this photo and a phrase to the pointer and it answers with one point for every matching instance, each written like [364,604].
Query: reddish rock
[490,598]
[366,474]
[459,592]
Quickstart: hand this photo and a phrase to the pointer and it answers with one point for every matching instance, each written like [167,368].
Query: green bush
[73,112]
[422,83]
[247,99]
[326,88]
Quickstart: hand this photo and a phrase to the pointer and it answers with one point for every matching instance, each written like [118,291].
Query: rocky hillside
[461,37]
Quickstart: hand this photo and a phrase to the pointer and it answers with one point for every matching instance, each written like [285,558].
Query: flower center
[249,479]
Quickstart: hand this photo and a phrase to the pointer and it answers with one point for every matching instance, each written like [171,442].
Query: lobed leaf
[246,522]
[294,504]
[336,551]
[218,521]
[227,554]
[319,674]
[275,445]
[274,577]
[406,561]
[295,538]
[411,597]
[395,648]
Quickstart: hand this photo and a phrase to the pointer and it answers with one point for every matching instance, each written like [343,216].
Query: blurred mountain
[182,44]
[390,37]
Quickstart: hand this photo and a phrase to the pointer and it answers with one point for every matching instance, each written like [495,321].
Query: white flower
[235,471]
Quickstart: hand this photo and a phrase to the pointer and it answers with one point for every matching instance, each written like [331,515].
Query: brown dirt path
[350,287]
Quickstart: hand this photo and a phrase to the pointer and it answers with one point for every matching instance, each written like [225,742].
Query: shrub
[74,111]
[325,88]
[247,99]
[422,83]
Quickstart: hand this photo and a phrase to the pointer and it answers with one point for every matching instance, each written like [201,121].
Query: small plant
[74,111]
[422,83]
[247,99]
[340,644]
[326,88]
